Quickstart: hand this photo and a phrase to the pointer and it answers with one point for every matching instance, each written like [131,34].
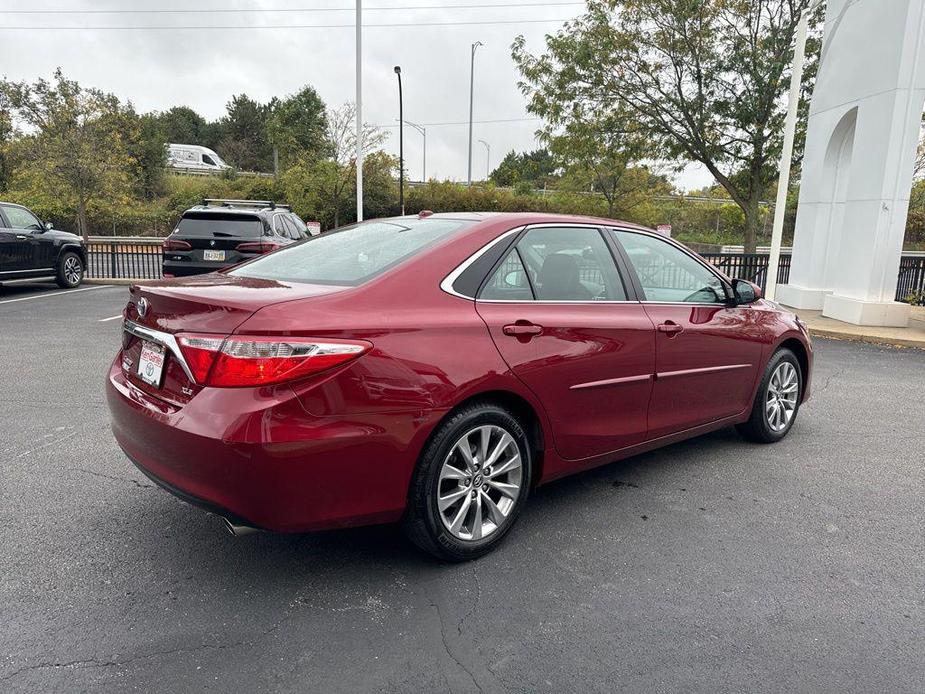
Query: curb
[121,281]
[868,339]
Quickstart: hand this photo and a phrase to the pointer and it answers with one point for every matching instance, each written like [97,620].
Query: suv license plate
[151,363]
[213,255]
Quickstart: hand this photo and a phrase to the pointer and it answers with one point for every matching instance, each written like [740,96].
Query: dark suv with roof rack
[221,233]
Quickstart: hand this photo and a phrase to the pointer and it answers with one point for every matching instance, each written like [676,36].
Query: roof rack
[207,202]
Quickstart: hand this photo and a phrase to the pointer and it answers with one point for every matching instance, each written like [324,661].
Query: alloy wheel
[781,402]
[480,482]
[72,270]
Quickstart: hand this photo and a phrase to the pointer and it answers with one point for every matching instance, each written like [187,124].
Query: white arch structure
[861,141]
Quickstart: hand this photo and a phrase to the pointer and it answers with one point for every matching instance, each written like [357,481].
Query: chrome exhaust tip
[239,530]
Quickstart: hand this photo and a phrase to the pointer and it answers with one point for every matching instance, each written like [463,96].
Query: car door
[22,252]
[708,352]
[567,326]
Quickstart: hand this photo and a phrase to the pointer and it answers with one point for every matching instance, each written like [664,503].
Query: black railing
[141,259]
[911,276]
[749,266]
[128,258]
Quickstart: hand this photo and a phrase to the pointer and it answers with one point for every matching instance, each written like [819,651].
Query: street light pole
[471,95]
[487,159]
[421,129]
[401,146]
[786,155]
[359,100]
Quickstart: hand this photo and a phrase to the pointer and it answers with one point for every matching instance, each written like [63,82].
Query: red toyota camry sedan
[434,369]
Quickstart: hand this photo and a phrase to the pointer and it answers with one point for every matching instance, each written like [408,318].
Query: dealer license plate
[151,363]
[213,255]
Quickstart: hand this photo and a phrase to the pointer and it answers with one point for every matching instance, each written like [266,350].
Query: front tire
[471,483]
[777,401]
[70,270]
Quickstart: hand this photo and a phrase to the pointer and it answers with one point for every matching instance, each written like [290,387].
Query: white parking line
[103,320]
[43,296]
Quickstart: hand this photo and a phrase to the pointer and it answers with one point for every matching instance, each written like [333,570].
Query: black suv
[31,249]
[221,233]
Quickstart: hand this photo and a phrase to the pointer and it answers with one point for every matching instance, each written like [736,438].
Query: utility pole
[471,95]
[359,99]
[401,147]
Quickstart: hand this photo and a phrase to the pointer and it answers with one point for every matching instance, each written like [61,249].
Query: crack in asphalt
[446,646]
[91,663]
[475,605]
[115,478]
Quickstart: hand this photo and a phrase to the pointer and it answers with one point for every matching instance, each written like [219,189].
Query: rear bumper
[256,457]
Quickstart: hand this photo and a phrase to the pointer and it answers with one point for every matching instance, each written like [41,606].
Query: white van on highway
[194,158]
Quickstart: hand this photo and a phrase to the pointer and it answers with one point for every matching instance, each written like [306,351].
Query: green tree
[243,134]
[6,134]
[298,126]
[182,125]
[536,167]
[78,153]
[325,189]
[705,79]
[145,144]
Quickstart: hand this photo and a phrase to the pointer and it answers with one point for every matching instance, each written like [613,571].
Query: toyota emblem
[142,307]
[212,243]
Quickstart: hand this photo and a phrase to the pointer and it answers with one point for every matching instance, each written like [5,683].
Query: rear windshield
[352,255]
[216,224]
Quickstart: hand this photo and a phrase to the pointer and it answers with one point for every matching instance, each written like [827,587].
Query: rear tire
[777,401]
[470,485]
[70,270]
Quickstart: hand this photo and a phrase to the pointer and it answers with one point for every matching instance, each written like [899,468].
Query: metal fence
[124,258]
[142,258]
[749,266]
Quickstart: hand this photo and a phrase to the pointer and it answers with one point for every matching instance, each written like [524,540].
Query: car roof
[231,209]
[524,218]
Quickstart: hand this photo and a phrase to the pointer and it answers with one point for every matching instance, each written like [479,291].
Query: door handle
[670,327]
[522,329]
[21,237]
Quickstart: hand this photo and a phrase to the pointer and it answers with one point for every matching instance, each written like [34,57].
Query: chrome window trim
[165,339]
[448,281]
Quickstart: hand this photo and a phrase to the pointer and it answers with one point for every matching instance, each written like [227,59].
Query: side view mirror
[745,292]
[48,226]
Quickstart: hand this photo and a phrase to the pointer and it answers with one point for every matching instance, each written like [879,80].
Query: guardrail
[142,259]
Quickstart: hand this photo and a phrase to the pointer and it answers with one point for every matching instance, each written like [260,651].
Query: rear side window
[558,264]
[220,225]
[353,255]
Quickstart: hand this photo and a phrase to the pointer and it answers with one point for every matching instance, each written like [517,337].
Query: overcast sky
[202,68]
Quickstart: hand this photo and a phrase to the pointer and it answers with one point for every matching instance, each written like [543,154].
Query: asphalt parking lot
[713,565]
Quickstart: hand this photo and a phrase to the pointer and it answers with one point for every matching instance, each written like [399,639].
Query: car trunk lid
[214,304]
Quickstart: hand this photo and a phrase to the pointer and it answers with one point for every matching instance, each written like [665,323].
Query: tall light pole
[401,147]
[421,129]
[471,95]
[786,155]
[487,158]
[359,100]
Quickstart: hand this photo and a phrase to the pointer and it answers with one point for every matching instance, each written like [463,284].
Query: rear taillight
[176,245]
[257,247]
[243,360]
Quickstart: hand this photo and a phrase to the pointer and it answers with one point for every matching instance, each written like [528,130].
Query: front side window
[570,264]
[668,274]
[20,218]
[206,159]
[352,255]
